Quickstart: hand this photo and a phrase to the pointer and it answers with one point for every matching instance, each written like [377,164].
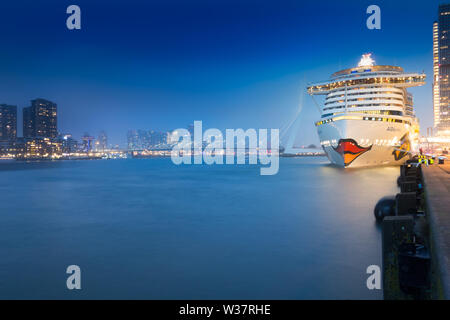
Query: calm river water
[148,229]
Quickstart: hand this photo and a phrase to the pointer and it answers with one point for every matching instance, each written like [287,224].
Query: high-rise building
[143,139]
[157,138]
[441,70]
[68,143]
[132,138]
[87,142]
[8,122]
[40,119]
[102,142]
[436,99]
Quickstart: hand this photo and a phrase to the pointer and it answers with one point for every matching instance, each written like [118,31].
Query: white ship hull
[364,143]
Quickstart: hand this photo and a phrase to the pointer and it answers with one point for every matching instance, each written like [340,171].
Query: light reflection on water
[148,229]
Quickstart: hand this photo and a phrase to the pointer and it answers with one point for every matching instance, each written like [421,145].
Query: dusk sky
[232,64]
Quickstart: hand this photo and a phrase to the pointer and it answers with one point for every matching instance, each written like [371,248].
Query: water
[147,229]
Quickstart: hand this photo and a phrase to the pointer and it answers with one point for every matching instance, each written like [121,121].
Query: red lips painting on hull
[350,150]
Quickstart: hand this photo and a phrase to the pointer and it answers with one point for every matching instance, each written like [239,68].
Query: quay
[416,234]
[436,180]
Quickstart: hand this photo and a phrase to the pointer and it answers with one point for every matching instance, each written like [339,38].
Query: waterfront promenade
[437,186]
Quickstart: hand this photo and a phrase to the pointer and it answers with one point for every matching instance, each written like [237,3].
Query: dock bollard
[406,203]
[410,186]
[409,172]
[396,230]
[385,207]
[414,262]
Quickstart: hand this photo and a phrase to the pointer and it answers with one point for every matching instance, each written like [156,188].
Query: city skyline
[46,127]
[204,63]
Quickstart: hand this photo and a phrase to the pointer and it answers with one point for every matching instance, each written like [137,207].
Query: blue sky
[163,64]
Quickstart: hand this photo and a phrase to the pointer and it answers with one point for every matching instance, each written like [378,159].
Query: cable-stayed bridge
[290,131]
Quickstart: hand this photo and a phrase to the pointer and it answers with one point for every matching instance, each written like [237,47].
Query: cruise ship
[367,118]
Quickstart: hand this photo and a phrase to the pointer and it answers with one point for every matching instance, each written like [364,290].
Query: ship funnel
[366,60]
